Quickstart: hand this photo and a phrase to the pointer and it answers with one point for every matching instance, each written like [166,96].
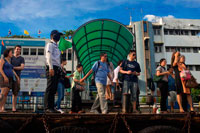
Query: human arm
[88,74]
[17,77]
[49,59]
[2,72]
[21,67]
[176,59]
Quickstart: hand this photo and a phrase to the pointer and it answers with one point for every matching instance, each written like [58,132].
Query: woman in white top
[109,94]
[117,85]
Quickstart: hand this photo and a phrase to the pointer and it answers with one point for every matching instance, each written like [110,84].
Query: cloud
[184,3]
[156,19]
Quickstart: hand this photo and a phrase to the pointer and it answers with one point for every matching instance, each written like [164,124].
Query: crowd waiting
[123,78]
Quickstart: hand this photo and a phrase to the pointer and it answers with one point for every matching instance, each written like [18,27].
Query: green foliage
[68,33]
[195,93]
[19,36]
[143,100]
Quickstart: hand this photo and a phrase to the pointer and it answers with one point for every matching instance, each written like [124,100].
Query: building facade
[178,34]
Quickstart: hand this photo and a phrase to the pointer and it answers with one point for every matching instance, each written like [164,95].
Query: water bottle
[155,108]
[158,111]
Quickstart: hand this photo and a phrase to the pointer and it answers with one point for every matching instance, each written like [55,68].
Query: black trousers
[164,94]
[52,85]
[76,100]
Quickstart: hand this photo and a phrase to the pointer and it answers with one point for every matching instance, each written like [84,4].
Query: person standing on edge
[117,85]
[101,70]
[163,84]
[61,85]
[18,65]
[52,71]
[178,62]
[8,77]
[131,70]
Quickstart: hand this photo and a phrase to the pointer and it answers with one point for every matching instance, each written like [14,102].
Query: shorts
[16,88]
[132,87]
[11,85]
[172,96]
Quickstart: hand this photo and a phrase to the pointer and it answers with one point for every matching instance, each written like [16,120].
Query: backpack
[120,75]
[93,77]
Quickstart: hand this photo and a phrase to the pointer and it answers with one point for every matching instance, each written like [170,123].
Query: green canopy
[101,35]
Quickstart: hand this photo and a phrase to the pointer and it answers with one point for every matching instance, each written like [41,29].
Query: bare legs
[179,99]
[14,101]
[4,93]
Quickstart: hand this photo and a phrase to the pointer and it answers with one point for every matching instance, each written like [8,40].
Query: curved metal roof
[101,35]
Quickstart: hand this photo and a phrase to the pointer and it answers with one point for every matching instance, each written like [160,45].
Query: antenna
[130,10]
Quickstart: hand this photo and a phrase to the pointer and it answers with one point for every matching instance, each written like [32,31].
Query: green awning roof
[101,35]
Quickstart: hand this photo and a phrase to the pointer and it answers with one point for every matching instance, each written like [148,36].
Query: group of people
[101,69]
[124,79]
[172,84]
[10,71]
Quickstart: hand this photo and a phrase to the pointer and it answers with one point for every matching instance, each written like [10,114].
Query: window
[69,54]
[167,49]
[188,50]
[158,31]
[193,32]
[166,32]
[158,49]
[171,32]
[40,51]
[177,32]
[195,50]
[33,51]
[197,68]
[190,67]
[186,32]
[146,44]
[173,49]
[25,51]
[182,49]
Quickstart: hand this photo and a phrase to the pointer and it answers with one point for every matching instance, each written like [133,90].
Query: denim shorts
[131,87]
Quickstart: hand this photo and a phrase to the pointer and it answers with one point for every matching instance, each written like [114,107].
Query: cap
[53,32]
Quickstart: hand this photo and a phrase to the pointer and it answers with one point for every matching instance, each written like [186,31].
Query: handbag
[191,83]
[185,75]
[79,87]
[67,83]
[157,78]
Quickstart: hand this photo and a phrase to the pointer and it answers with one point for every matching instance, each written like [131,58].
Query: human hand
[134,73]
[177,54]
[129,72]
[6,80]
[81,80]
[51,72]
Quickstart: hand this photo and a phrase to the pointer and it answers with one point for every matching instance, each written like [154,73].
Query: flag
[9,32]
[2,43]
[26,32]
[39,32]
[2,47]
[63,44]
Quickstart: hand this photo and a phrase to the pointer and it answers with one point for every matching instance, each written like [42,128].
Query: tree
[68,33]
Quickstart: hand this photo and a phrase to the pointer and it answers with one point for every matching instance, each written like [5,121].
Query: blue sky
[47,15]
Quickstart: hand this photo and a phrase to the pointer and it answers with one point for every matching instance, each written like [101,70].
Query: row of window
[40,51]
[158,49]
[183,49]
[190,67]
[177,32]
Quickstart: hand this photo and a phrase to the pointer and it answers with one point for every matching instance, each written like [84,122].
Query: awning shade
[101,35]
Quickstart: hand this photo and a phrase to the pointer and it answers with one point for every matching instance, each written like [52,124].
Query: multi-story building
[178,34]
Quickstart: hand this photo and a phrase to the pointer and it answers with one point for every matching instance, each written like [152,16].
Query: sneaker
[94,111]
[59,110]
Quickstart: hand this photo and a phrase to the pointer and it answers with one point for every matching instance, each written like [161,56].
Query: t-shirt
[77,76]
[162,69]
[101,72]
[171,83]
[16,62]
[132,66]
